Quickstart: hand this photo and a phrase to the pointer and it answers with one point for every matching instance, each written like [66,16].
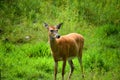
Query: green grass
[34,60]
[23,58]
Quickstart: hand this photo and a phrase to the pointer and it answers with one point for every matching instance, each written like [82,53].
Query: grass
[24,49]
[34,61]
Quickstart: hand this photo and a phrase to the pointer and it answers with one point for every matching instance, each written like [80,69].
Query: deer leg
[63,69]
[80,61]
[55,70]
[72,68]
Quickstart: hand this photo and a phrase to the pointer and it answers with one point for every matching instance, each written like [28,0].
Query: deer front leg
[55,70]
[63,69]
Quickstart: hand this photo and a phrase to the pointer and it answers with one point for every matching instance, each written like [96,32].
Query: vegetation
[24,49]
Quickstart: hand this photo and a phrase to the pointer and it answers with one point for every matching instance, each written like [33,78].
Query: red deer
[65,48]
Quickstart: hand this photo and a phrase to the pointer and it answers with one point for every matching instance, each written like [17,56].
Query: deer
[65,48]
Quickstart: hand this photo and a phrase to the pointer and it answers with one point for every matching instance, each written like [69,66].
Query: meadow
[24,48]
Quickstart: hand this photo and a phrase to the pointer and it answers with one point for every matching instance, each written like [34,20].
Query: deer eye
[51,30]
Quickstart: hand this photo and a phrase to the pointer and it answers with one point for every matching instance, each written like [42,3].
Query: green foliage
[24,49]
[21,18]
[38,50]
[25,61]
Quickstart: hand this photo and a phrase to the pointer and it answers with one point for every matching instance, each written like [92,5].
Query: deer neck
[53,44]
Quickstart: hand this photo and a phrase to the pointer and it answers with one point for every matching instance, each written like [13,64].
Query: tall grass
[20,16]
[24,49]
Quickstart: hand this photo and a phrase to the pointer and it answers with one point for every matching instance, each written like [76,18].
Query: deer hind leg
[80,61]
[55,70]
[63,69]
[71,68]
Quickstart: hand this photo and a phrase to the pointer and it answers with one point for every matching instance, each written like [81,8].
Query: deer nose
[57,36]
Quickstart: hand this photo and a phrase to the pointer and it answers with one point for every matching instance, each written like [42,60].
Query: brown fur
[65,48]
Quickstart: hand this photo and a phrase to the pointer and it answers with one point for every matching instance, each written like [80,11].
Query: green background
[24,49]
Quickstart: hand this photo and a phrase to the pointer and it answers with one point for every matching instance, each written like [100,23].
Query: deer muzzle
[57,36]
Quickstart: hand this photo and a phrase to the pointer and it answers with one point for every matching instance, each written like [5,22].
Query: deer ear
[45,25]
[59,25]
